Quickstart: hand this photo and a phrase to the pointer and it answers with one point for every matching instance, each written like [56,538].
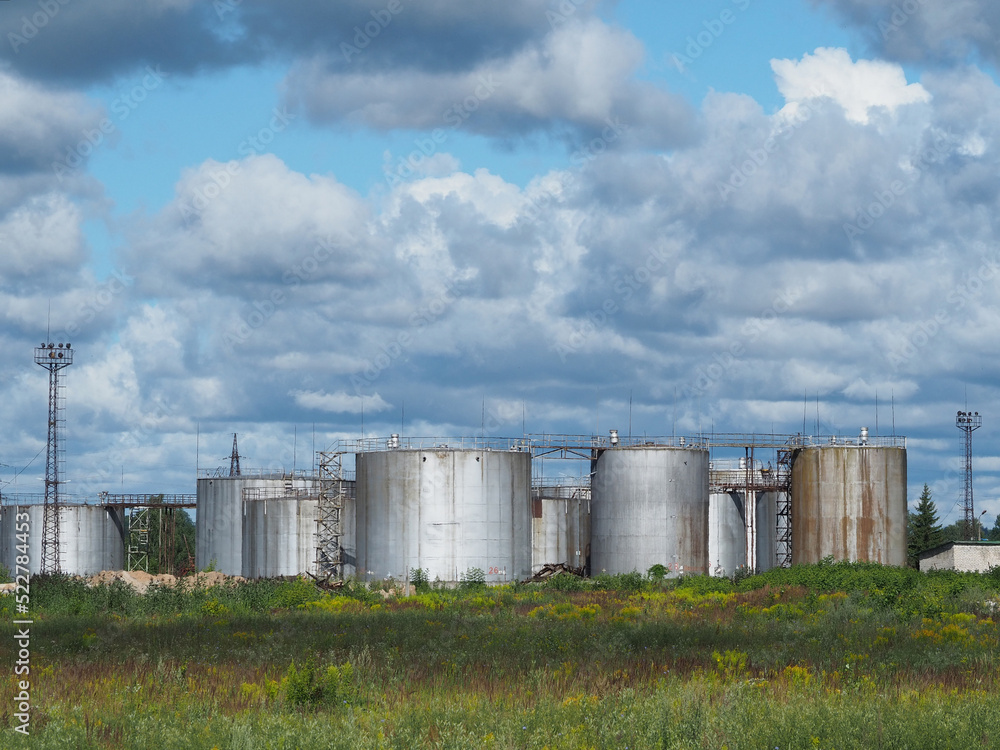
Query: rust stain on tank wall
[849,502]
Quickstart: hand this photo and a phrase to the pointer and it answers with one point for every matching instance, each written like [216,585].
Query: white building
[965,557]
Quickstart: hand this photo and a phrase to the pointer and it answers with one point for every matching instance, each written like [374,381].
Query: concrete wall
[967,557]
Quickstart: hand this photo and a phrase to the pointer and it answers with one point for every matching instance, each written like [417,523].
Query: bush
[314,686]
[420,579]
[472,578]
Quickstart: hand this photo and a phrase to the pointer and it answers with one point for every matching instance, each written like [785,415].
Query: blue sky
[815,190]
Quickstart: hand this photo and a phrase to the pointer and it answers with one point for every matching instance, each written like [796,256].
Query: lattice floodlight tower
[54,358]
[968,422]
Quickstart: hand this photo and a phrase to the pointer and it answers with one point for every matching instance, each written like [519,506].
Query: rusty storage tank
[560,526]
[727,530]
[649,506]
[279,535]
[849,502]
[219,520]
[91,538]
[445,511]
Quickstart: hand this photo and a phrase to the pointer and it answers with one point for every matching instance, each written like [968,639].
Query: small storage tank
[767,529]
[8,536]
[279,536]
[444,511]
[849,501]
[560,526]
[727,533]
[649,506]
[91,538]
[219,520]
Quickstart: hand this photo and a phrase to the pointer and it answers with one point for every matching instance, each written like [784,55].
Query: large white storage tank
[560,526]
[91,538]
[649,506]
[727,533]
[445,511]
[219,521]
[849,502]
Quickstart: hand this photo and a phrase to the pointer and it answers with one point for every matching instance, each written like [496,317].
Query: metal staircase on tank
[330,524]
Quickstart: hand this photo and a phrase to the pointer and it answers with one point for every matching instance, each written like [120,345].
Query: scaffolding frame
[330,523]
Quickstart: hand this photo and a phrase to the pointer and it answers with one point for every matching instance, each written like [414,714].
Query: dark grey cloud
[577,79]
[95,41]
[929,30]
[39,124]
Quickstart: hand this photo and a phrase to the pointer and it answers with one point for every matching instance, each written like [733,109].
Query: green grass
[831,655]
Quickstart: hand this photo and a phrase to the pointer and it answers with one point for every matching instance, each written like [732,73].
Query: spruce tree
[924,531]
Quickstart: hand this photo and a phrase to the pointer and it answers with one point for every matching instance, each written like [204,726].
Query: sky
[304,222]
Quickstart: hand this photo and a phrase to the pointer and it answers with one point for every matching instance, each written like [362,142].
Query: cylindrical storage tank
[560,526]
[727,533]
[444,511]
[348,543]
[91,538]
[849,502]
[219,521]
[279,537]
[767,529]
[649,506]
[9,532]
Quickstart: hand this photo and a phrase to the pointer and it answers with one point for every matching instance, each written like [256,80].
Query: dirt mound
[140,580]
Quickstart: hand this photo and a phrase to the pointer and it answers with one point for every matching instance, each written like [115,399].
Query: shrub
[314,686]
[472,578]
[420,579]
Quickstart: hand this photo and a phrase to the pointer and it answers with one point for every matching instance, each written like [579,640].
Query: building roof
[956,543]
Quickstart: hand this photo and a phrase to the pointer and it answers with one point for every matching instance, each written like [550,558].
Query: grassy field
[828,656]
